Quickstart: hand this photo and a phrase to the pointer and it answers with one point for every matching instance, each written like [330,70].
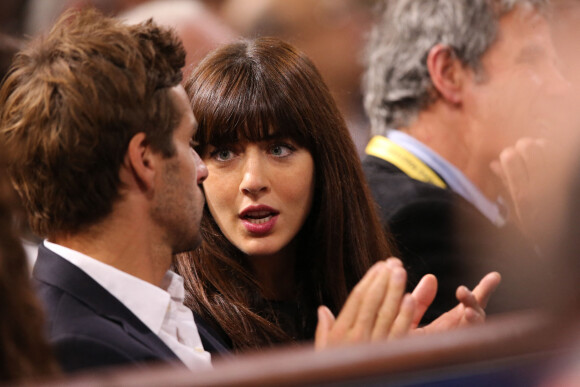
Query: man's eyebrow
[530,54]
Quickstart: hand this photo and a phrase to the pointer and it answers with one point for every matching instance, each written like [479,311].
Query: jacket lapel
[57,271]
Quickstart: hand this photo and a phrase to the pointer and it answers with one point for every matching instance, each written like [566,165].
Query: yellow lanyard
[387,150]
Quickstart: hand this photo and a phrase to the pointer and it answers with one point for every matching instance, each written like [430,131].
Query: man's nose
[201,169]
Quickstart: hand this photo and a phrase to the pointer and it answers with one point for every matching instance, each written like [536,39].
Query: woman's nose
[254,178]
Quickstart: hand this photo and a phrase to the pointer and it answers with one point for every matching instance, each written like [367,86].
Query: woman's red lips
[259,219]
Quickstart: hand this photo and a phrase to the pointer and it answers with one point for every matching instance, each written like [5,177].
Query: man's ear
[446,72]
[140,162]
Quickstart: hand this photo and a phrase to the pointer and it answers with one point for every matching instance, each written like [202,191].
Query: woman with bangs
[289,223]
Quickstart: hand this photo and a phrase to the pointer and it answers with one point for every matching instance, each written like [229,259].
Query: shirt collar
[454,178]
[145,300]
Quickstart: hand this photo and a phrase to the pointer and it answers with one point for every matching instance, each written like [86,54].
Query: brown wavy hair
[24,350]
[69,106]
[248,90]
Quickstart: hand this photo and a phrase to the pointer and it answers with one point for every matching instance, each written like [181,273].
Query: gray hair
[397,84]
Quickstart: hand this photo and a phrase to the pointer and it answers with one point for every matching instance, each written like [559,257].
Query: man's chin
[189,246]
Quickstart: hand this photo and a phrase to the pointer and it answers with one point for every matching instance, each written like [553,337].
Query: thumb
[325,324]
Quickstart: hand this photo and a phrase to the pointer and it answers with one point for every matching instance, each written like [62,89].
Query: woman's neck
[275,274]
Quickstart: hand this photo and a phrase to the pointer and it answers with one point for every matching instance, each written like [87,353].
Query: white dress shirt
[161,309]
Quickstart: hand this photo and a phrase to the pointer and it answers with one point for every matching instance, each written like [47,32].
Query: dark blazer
[437,231]
[90,328]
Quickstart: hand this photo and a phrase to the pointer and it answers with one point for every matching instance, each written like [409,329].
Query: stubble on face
[178,209]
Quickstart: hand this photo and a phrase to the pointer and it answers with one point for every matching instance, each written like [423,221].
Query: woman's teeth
[259,217]
[260,220]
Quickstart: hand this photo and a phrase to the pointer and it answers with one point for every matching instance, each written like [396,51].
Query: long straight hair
[251,90]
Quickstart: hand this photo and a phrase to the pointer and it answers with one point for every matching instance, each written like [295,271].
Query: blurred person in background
[42,14]
[197,24]
[9,46]
[24,351]
[450,85]
[12,39]
[12,17]
[200,29]
[331,32]
[12,20]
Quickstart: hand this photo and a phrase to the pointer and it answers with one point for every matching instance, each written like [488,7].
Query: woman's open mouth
[259,219]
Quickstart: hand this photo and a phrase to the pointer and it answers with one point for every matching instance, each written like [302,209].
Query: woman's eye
[222,154]
[281,150]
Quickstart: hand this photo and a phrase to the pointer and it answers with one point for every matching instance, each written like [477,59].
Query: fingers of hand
[473,312]
[350,310]
[467,298]
[325,323]
[473,316]
[523,171]
[533,152]
[403,322]
[486,287]
[372,306]
[446,321]
[391,303]
[423,295]
[516,175]
[371,303]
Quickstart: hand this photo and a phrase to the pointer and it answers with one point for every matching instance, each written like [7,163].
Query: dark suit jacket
[437,231]
[90,328]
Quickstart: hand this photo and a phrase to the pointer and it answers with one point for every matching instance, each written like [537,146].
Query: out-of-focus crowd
[188,179]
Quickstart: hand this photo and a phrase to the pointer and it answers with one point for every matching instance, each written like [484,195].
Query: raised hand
[523,171]
[470,310]
[376,309]
[379,309]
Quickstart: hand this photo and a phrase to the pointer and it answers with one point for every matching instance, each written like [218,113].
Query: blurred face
[179,199]
[259,193]
[522,88]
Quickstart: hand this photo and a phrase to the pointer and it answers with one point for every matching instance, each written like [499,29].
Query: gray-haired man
[450,84]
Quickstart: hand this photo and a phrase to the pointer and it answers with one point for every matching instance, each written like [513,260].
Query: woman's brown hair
[251,90]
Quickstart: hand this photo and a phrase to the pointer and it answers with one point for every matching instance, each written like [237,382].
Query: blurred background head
[331,32]
[200,29]
[24,351]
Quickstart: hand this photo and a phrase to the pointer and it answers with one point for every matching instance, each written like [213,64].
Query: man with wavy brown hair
[105,169]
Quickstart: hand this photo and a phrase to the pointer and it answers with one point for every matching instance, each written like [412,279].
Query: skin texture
[315,250]
[538,164]
[378,308]
[274,173]
[523,171]
[265,173]
[521,91]
[179,204]
[153,219]
[280,175]
[518,93]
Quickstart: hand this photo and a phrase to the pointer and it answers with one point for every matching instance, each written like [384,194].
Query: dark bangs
[246,100]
